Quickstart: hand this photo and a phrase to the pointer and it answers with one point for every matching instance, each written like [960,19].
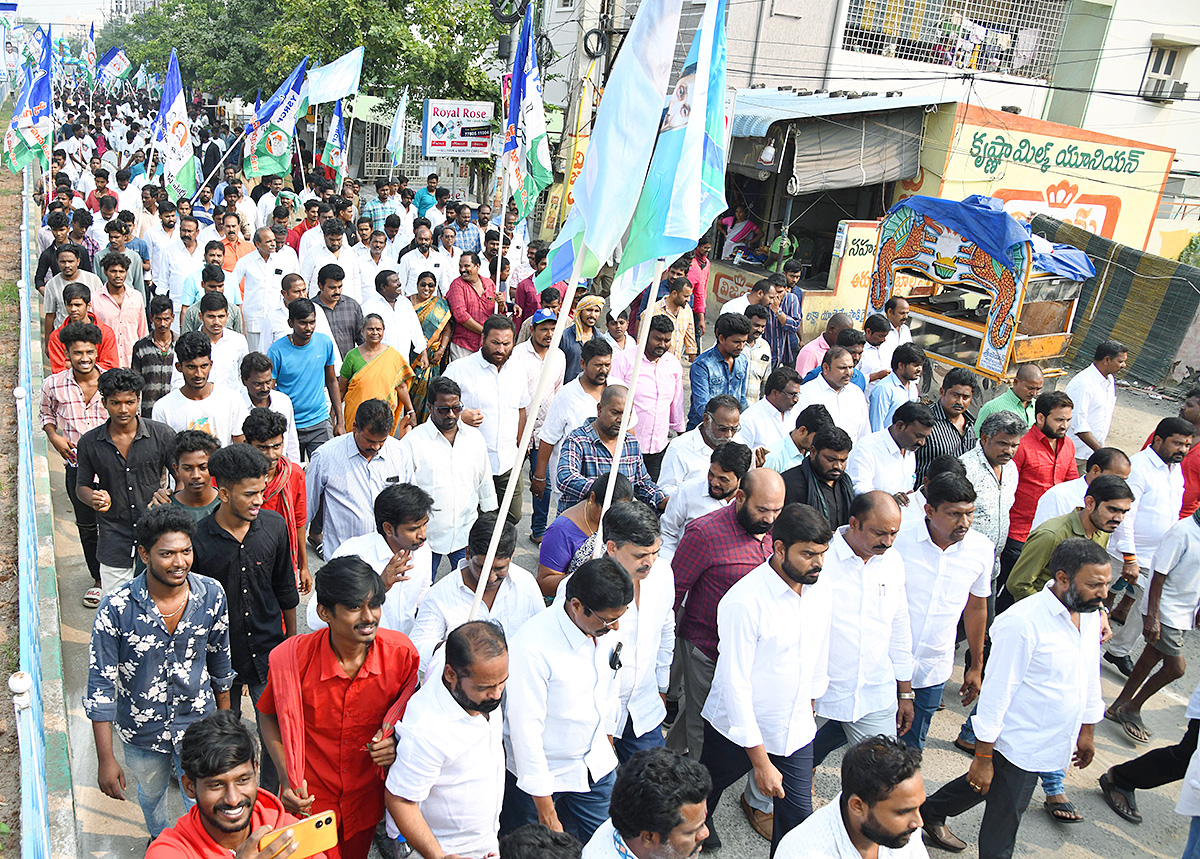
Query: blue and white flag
[114,67]
[395,141]
[337,79]
[269,134]
[335,146]
[526,156]
[173,136]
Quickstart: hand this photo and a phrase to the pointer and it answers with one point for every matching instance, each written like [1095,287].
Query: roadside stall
[981,295]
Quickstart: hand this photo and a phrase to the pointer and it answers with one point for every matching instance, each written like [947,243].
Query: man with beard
[445,788]
[158,661]
[688,454]
[420,259]
[886,459]
[658,402]
[248,550]
[510,597]
[589,451]
[947,575]
[773,640]
[953,428]
[562,691]
[219,760]
[333,694]
[876,813]
[821,481]
[704,493]
[833,389]
[1156,479]
[496,393]
[716,552]
[870,641]
[657,809]
[1045,659]
[397,551]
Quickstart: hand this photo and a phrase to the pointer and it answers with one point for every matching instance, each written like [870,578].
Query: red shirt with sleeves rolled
[341,716]
[713,555]
[1041,466]
[465,303]
[106,352]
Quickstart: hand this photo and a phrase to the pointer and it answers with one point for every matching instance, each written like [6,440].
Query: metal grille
[1017,37]
[461,176]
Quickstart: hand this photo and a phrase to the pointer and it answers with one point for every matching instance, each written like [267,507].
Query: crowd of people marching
[281,389]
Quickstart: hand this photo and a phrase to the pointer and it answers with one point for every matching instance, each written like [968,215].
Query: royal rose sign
[457,129]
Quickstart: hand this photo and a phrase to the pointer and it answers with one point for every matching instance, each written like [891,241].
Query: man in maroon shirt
[1045,458]
[716,551]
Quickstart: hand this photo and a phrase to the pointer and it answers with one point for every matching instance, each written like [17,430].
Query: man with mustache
[219,759]
[820,480]
[657,810]
[947,575]
[705,492]
[773,640]
[1045,658]
[876,813]
[445,788]
[870,641]
[953,428]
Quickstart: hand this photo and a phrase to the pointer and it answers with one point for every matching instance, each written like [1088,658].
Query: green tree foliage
[222,45]
[1190,255]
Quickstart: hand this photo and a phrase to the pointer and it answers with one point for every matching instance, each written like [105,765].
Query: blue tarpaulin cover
[977,218]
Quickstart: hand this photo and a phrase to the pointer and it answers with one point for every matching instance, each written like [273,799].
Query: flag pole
[220,164]
[643,338]
[543,386]
[316,122]
[346,146]
[503,217]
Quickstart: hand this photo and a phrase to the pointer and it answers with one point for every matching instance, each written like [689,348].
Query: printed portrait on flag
[679,108]
[12,57]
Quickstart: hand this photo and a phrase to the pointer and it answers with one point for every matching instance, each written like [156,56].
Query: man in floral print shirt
[159,661]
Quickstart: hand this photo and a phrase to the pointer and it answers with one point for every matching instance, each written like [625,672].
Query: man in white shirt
[773,416]
[510,595]
[896,310]
[267,202]
[372,261]
[758,350]
[449,460]
[572,406]
[1044,660]
[445,788]
[199,404]
[947,575]
[401,326]
[872,364]
[876,814]
[560,703]
[773,638]
[886,460]
[1094,394]
[182,259]
[1157,483]
[258,391]
[495,391]
[161,238]
[833,389]
[689,453]
[1062,498]
[704,493]
[396,550]
[334,252]
[228,347]
[423,258]
[261,277]
[870,647]
[657,810]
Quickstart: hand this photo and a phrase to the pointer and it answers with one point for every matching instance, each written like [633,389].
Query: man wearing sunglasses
[561,702]
[449,460]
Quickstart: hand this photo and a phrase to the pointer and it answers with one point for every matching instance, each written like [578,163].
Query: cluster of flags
[28,135]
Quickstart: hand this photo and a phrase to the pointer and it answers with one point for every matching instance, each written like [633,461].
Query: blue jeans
[629,743]
[833,735]
[455,556]
[541,503]
[1191,850]
[1053,783]
[924,706]
[154,772]
[580,813]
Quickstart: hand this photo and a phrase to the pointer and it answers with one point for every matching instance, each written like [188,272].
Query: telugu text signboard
[457,129]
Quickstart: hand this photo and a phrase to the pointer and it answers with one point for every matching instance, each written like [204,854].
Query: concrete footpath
[108,828]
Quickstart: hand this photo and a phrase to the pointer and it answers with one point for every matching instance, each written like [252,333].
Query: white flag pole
[643,337]
[349,130]
[539,394]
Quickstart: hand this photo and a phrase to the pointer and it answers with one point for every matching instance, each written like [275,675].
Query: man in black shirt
[247,550]
[821,481]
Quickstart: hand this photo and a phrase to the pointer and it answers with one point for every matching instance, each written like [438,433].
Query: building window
[1161,82]
[1016,38]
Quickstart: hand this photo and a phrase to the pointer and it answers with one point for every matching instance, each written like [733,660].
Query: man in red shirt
[78,299]
[102,190]
[285,493]
[220,772]
[1044,458]
[331,700]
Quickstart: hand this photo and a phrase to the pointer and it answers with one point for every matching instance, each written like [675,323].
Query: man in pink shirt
[698,273]
[658,400]
[814,351]
[121,309]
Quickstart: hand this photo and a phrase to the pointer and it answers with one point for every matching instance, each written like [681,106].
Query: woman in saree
[376,371]
[739,231]
[434,313]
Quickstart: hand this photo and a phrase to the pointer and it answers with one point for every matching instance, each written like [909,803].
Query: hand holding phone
[307,837]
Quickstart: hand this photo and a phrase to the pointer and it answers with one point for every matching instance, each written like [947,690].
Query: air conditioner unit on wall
[1178,89]
[1161,88]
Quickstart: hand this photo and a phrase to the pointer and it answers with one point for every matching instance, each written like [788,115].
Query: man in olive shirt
[1107,501]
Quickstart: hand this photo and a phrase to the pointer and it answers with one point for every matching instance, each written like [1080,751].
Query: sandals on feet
[1111,791]
[1056,810]
[1132,724]
[92,597]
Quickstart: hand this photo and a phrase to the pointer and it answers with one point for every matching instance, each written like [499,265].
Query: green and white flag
[173,136]
[89,57]
[269,134]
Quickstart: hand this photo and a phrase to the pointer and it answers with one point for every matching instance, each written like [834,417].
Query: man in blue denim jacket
[721,369]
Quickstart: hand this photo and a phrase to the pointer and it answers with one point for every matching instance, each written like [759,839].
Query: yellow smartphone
[313,835]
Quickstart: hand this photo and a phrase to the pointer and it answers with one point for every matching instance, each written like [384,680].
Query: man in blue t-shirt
[303,364]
